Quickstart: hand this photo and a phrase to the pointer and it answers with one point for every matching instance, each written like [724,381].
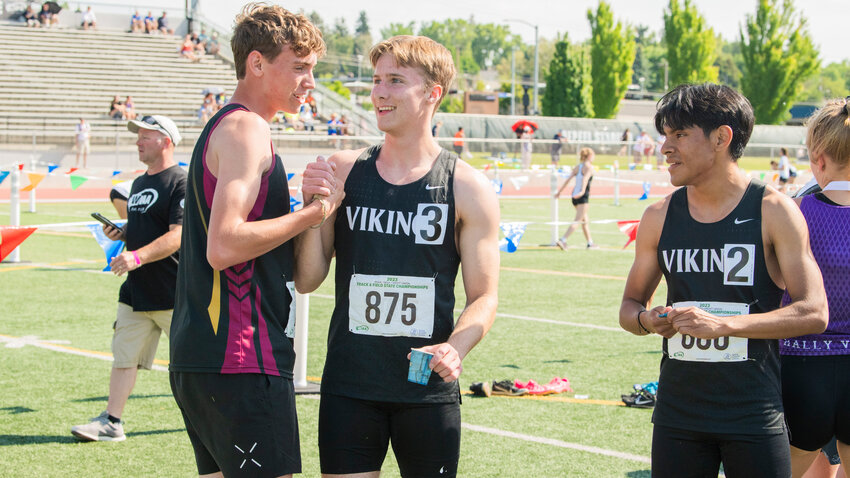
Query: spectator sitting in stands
[89,19]
[200,44]
[344,126]
[207,109]
[129,108]
[116,109]
[220,101]
[150,23]
[306,115]
[312,102]
[212,44]
[187,49]
[46,17]
[203,37]
[333,125]
[31,17]
[137,23]
[162,24]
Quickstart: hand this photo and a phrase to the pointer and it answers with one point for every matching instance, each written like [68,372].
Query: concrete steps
[50,78]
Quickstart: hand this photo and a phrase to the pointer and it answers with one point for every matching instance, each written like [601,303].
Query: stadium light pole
[536,59]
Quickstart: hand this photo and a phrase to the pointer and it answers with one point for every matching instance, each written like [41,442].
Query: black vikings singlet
[396,264]
[238,320]
[729,384]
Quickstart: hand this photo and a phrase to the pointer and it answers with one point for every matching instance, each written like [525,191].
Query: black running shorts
[240,424]
[354,435]
[582,200]
[686,453]
[816,397]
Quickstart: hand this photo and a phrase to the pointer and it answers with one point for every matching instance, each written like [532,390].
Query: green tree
[457,36]
[362,26]
[568,83]
[337,87]
[397,29]
[650,58]
[362,37]
[778,58]
[729,63]
[833,81]
[339,41]
[612,53]
[691,45]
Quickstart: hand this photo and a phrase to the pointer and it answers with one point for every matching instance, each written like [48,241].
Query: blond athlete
[413,212]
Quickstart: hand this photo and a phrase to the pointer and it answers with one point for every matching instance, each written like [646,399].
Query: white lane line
[557,443]
[15,341]
[560,322]
[522,317]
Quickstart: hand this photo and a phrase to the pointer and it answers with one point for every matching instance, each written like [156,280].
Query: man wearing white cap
[146,299]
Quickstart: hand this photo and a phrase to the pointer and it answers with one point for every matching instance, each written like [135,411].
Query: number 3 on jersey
[391,306]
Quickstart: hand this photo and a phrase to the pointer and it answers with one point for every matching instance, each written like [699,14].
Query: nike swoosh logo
[739,221]
[428,187]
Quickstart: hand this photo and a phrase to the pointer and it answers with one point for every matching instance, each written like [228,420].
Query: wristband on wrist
[136,256]
[325,207]
[640,325]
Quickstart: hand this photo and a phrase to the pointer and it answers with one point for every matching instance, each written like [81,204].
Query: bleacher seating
[51,78]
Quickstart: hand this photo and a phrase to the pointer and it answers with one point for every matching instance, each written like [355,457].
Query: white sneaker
[100,429]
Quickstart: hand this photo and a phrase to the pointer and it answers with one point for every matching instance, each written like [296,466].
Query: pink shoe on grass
[559,385]
[533,387]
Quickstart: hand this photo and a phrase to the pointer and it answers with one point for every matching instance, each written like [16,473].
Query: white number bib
[391,306]
[290,323]
[722,349]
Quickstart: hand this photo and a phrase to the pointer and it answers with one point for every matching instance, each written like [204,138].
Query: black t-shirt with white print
[155,203]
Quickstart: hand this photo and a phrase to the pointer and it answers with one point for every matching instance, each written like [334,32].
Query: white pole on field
[302,315]
[553,188]
[32,167]
[15,211]
[616,183]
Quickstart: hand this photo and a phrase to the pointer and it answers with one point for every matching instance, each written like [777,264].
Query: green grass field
[557,317]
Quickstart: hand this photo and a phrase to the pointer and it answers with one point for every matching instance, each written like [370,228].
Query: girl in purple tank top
[816,368]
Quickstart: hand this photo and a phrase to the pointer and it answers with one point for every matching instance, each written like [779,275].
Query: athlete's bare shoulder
[241,123]
[469,180]
[776,203]
[473,192]
[240,135]
[653,218]
[344,160]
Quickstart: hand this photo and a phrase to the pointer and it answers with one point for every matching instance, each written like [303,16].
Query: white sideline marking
[521,317]
[560,322]
[558,443]
[35,342]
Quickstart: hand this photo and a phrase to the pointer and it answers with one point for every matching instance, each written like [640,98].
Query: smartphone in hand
[106,222]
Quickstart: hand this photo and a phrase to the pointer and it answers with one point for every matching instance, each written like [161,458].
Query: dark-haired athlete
[727,247]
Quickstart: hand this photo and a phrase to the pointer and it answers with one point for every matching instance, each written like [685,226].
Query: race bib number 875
[722,349]
[391,306]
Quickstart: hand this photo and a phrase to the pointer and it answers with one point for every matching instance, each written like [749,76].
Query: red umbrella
[522,124]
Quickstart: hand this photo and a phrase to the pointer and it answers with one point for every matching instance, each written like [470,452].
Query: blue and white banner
[513,233]
[110,248]
[646,187]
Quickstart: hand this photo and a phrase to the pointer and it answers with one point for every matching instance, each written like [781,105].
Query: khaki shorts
[137,335]
[84,146]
